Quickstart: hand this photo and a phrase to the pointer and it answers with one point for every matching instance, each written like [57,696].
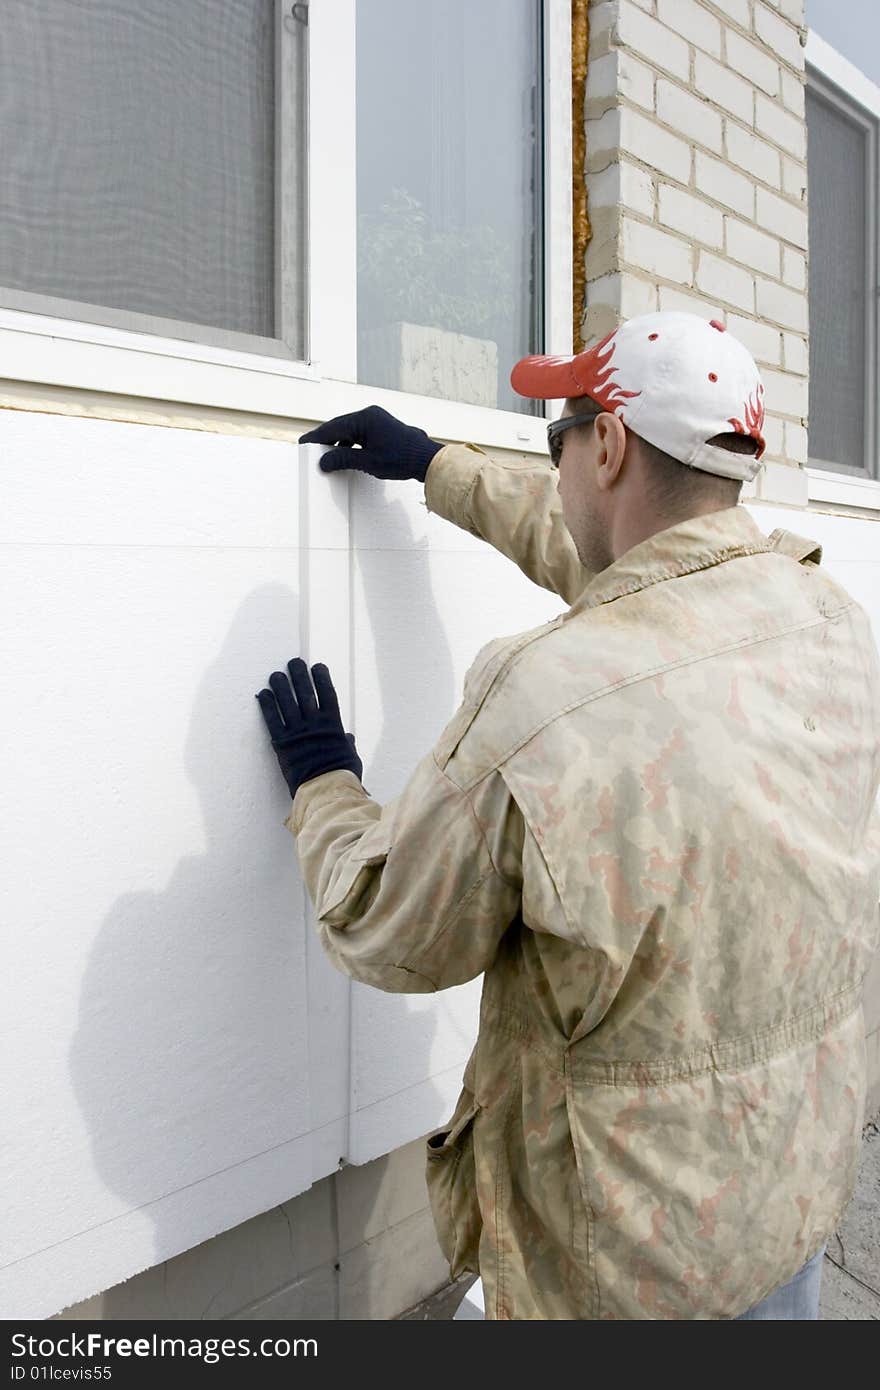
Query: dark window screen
[839,292]
[138,156]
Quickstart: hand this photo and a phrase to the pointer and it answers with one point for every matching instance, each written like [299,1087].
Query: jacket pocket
[452,1188]
[356,878]
[352,892]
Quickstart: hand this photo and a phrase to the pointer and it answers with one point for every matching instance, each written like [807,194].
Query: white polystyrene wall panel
[155,1000]
[180,1054]
[72,481]
[427,596]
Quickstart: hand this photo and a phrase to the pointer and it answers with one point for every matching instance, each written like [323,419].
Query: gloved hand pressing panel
[306,726]
[389,449]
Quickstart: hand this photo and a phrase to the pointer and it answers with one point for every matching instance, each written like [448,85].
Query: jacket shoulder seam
[465,792]
[634,679]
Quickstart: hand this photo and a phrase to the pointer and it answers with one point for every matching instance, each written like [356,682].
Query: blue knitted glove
[389,449]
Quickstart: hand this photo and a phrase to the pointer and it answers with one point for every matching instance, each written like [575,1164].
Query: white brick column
[696,186]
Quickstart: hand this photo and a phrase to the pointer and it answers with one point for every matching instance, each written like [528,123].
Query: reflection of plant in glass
[458,280]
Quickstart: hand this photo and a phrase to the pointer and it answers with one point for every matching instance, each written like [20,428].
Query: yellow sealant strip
[581,229]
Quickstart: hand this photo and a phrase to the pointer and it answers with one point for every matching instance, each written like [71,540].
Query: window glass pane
[838,291]
[138,156]
[449,185]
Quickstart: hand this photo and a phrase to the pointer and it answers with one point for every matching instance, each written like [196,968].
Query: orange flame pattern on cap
[593,377]
[753,412]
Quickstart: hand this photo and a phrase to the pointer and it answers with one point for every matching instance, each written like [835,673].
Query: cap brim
[545,378]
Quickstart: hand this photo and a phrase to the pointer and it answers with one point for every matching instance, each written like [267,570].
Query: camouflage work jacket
[653,825]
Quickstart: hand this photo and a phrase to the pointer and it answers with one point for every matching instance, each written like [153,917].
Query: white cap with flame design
[673,378]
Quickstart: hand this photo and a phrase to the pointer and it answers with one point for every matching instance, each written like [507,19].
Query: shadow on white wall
[191,1056]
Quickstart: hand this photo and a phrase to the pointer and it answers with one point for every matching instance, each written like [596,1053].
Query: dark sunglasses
[557,427]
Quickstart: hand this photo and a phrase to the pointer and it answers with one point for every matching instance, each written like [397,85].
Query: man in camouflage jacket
[652,824]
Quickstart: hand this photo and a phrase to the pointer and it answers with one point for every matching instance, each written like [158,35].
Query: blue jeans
[798,1300]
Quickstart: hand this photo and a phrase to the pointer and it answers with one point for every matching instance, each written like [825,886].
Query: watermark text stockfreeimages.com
[96,1346]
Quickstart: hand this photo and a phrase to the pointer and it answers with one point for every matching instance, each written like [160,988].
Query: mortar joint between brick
[728,22]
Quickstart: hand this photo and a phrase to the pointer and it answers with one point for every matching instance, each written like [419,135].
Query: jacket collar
[695,544]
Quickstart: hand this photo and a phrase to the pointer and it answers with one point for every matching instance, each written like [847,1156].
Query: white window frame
[825,485]
[42,348]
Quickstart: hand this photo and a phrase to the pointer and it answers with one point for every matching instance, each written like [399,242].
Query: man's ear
[613,439]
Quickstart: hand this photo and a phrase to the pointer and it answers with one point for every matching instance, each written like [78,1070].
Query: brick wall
[697,187]
[358,1244]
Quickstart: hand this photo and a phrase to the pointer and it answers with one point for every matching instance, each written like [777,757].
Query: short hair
[674,486]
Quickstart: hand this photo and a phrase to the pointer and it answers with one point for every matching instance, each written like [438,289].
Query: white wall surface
[177,1053]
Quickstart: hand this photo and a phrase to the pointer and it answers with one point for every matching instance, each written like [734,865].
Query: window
[449,195]
[841,160]
[141,166]
[289,209]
